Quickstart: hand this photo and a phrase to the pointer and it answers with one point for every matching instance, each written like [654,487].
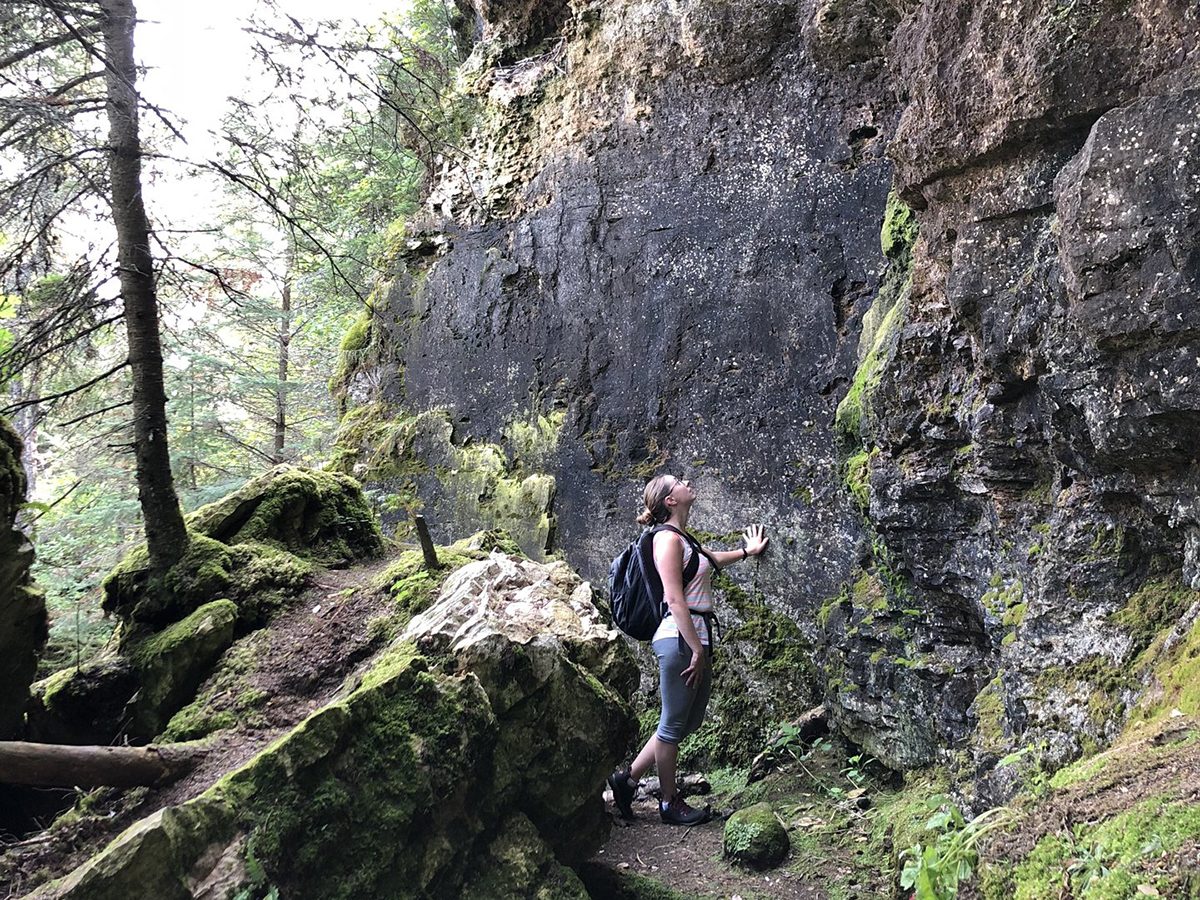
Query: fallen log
[63,765]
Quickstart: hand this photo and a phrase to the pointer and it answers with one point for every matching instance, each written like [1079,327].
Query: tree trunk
[166,535]
[62,765]
[285,340]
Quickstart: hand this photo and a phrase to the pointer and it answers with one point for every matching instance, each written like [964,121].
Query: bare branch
[91,382]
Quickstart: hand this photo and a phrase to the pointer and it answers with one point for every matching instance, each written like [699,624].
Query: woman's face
[682,492]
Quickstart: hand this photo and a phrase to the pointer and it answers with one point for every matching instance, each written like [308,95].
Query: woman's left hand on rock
[755,540]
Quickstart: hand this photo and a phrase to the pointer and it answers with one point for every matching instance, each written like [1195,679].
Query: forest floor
[291,668]
[300,662]
[839,832]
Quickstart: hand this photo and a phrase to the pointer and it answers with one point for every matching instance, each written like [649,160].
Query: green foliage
[1156,605]
[934,870]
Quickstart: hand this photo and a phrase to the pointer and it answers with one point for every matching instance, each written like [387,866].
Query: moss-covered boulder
[449,769]
[319,516]
[256,547]
[259,578]
[171,663]
[85,705]
[22,608]
[754,837]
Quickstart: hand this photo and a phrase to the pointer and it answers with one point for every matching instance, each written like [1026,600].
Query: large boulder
[22,608]
[133,694]
[320,516]
[255,546]
[465,760]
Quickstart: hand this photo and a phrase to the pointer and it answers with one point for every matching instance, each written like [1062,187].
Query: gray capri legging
[683,707]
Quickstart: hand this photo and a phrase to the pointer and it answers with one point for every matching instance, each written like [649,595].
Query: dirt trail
[688,860]
[299,663]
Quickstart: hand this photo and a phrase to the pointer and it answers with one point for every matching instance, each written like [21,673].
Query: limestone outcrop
[466,758]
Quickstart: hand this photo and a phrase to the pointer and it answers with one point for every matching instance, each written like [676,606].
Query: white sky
[197,56]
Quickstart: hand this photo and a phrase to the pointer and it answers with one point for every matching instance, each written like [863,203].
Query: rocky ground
[291,669]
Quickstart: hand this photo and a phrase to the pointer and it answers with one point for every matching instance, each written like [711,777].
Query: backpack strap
[692,565]
[689,571]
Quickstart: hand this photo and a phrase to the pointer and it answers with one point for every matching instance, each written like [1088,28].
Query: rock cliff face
[912,282]
[22,608]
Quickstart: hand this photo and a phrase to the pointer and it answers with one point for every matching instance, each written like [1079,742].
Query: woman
[682,644]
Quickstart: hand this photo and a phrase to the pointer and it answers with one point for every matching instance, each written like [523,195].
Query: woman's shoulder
[666,536]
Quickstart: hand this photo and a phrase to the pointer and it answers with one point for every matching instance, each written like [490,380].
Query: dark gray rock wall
[1036,423]
[670,233]
[680,264]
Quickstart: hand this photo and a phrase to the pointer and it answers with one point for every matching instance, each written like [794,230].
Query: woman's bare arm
[754,540]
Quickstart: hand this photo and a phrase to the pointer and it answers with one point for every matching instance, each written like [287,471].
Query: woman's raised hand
[755,539]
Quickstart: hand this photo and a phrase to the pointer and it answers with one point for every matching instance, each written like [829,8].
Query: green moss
[1175,679]
[357,774]
[258,578]
[1158,604]
[412,587]
[354,353]
[490,485]
[320,516]
[1105,681]
[1127,844]
[881,322]
[854,407]
[858,477]
[203,574]
[899,232]
[755,837]
[621,884]
[172,663]
[988,707]
[226,699]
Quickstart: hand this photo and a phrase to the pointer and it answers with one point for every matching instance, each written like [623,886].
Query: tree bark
[285,340]
[166,535]
[62,765]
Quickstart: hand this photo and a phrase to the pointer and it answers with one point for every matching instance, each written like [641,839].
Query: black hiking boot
[623,792]
[677,812]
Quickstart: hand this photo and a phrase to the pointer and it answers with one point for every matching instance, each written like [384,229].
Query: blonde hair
[654,498]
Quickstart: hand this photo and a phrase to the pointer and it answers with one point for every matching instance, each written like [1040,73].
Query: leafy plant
[933,871]
[1089,864]
[856,769]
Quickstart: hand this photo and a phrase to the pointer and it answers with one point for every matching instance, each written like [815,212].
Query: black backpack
[636,592]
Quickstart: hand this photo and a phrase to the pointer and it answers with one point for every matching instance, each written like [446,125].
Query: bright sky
[197,54]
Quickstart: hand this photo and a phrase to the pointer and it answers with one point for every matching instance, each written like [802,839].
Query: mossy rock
[319,516]
[85,705]
[172,663]
[226,698]
[23,621]
[518,865]
[754,837]
[257,577]
[428,776]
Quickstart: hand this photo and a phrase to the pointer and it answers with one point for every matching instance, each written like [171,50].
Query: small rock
[755,837]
